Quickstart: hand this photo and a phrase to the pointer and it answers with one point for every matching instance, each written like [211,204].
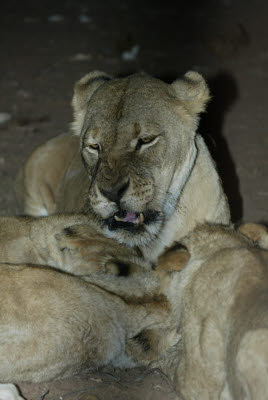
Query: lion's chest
[169,234]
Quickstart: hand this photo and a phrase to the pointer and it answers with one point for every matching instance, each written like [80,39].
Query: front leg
[152,346]
[55,246]
[30,240]
[85,250]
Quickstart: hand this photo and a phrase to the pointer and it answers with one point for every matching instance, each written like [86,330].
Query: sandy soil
[46,47]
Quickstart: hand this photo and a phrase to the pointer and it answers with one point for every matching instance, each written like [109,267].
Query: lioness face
[137,144]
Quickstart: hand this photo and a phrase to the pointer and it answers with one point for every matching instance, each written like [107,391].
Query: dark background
[45,46]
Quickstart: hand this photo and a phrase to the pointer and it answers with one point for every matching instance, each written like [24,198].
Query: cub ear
[83,90]
[193,91]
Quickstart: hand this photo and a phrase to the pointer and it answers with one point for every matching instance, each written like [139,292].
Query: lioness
[136,163]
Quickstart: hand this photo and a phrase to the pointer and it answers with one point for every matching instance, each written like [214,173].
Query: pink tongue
[130,217]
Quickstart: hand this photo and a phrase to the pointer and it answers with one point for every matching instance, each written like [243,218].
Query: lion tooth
[141,218]
[118,218]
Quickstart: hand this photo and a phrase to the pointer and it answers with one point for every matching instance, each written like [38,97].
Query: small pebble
[56,18]
[84,19]
[131,54]
[4,117]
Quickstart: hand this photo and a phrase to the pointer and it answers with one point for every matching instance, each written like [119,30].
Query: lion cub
[206,325]
[54,324]
[219,307]
[72,243]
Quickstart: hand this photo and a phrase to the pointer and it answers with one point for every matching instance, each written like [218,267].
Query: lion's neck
[207,204]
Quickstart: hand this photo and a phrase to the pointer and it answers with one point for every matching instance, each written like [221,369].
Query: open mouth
[132,218]
[130,221]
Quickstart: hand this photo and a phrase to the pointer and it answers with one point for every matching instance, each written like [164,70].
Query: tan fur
[54,324]
[206,326]
[256,232]
[172,175]
[73,243]
[219,307]
[37,200]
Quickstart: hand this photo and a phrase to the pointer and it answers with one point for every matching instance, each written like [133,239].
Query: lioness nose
[115,193]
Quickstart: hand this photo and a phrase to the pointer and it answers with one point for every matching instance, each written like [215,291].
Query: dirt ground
[46,46]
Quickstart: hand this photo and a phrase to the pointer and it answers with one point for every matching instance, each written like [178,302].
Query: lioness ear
[83,90]
[193,91]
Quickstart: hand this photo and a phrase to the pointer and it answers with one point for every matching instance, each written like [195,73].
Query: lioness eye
[94,146]
[146,140]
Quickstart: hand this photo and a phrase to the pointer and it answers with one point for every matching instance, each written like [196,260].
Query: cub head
[137,139]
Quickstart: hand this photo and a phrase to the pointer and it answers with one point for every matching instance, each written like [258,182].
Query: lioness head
[137,137]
